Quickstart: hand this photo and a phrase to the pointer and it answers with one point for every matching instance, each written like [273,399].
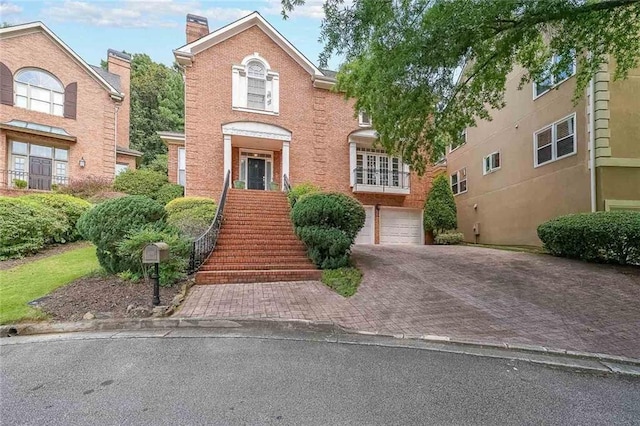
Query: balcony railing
[381,181]
[24,180]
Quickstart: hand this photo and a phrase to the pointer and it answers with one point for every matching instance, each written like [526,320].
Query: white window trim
[554,142]
[29,97]
[181,169]
[55,179]
[361,121]
[239,82]
[403,168]
[553,84]
[464,133]
[466,180]
[244,154]
[491,169]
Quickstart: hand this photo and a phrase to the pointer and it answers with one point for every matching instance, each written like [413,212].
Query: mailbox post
[154,253]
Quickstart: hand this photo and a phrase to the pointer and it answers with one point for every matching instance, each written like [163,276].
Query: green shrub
[20,184]
[71,207]
[169,192]
[440,207]
[328,224]
[448,238]
[107,224]
[191,215]
[300,190]
[86,187]
[159,164]
[344,281]
[26,227]
[105,195]
[171,270]
[608,237]
[140,182]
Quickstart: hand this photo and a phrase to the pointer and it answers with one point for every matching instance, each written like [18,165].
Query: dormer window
[38,90]
[255,86]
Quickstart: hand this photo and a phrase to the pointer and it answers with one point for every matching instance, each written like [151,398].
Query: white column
[227,157]
[285,162]
[352,163]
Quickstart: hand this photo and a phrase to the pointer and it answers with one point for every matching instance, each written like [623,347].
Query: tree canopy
[427,69]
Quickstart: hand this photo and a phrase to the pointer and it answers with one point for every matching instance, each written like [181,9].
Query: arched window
[256,85]
[39,91]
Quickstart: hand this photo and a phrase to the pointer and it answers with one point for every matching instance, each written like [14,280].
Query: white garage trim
[362,237]
[413,219]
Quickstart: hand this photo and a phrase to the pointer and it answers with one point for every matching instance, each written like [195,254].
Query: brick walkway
[462,292]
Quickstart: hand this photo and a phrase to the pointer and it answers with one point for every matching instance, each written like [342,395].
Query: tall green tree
[157,104]
[404,58]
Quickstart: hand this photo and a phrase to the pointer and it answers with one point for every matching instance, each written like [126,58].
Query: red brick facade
[319,120]
[101,120]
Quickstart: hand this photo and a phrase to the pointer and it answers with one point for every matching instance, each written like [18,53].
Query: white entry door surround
[252,129]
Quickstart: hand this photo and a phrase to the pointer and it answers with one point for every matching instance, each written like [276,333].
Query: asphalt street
[196,380]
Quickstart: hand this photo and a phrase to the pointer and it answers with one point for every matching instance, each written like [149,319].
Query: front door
[40,173]
[256,176]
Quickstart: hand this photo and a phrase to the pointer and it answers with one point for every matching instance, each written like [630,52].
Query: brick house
[60,118]
[257,107]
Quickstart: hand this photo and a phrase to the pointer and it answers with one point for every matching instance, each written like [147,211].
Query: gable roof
[111,78]
[187,51]
[32,27]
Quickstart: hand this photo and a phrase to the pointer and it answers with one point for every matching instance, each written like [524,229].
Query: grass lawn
[344,281]
[35,279]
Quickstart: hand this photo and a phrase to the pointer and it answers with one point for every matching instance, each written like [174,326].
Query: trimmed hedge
[169,192]
[440,207]
[110,222]
[71,207]
[448,238]
[191,215]
[607,237]
[328,223]
[130,249]
[27,226]
[140,182]
[300,190]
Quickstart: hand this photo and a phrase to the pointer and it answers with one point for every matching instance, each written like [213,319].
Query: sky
[156,27]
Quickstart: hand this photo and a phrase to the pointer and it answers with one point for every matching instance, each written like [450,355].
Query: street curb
[575,360]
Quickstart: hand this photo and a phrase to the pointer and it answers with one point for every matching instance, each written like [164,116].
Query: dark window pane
[565,146]
[454,188]
[544,154]
[463,186]
[496,160]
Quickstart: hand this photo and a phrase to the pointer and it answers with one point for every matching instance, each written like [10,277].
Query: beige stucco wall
[512,201]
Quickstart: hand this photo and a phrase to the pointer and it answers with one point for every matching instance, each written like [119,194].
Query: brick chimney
[120,63]
[197,26]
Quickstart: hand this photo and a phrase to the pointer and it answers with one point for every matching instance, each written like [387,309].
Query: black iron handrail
[14,179]
[383,178]
[287,184]
[202,247]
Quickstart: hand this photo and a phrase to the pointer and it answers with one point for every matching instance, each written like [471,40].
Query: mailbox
[155,253]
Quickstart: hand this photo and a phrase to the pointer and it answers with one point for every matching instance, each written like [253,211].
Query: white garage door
[400,226]
[365,236]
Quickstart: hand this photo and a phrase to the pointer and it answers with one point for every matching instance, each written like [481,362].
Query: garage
[366,234]
[401,226]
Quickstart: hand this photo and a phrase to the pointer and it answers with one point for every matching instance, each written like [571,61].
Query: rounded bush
[107,224]
[328,223]
[191,215]
[608,237]
[26,227]
[140,182]
[300,190]
[448,238]
[440,207]
[187,203]
[171,270]
[71,207]
[168,192]
[330,210]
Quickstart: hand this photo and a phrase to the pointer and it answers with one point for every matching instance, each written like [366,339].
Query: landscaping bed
[104,296]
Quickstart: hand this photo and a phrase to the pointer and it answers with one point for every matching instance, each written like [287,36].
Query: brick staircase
[257,243]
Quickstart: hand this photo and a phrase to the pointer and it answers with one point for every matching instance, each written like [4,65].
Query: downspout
[115,140]
[592,143]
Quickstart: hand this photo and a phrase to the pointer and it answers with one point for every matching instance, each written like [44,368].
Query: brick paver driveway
[461,292]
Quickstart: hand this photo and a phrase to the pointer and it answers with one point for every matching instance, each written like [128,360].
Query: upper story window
[491,163]
[364,120]
[255,86]
[555,141]
[459,181]
[38,90]
[460,140]
[551,80]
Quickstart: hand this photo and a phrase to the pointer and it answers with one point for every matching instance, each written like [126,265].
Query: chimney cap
[197,19]
[119,55]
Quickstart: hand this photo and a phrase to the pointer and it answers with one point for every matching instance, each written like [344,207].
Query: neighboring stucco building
[532,162]
[60,118]
[256,106]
